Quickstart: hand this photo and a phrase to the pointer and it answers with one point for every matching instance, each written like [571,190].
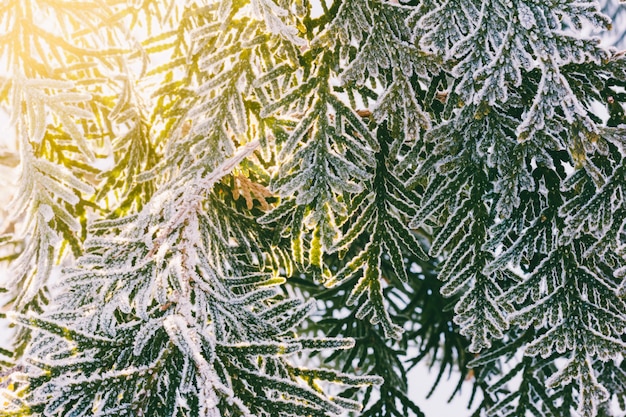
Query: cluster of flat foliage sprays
[437,179]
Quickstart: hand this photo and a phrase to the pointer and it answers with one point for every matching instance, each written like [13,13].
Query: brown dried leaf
[250,191]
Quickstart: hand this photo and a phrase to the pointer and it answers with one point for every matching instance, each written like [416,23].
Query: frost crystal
[46,212]
[526,16]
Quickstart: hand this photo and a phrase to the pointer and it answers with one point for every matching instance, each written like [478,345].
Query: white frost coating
[271,13]
[186,338]
[32,93]
[145,335]
[194,193]
[61,174]
[526,16]
[46,212]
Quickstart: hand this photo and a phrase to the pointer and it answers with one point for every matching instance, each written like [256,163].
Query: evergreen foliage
[277,208]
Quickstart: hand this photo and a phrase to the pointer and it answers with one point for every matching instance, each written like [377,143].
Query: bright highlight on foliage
[277,208]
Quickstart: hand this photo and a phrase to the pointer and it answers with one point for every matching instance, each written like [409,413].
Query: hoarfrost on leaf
[526,16]
[274,17]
